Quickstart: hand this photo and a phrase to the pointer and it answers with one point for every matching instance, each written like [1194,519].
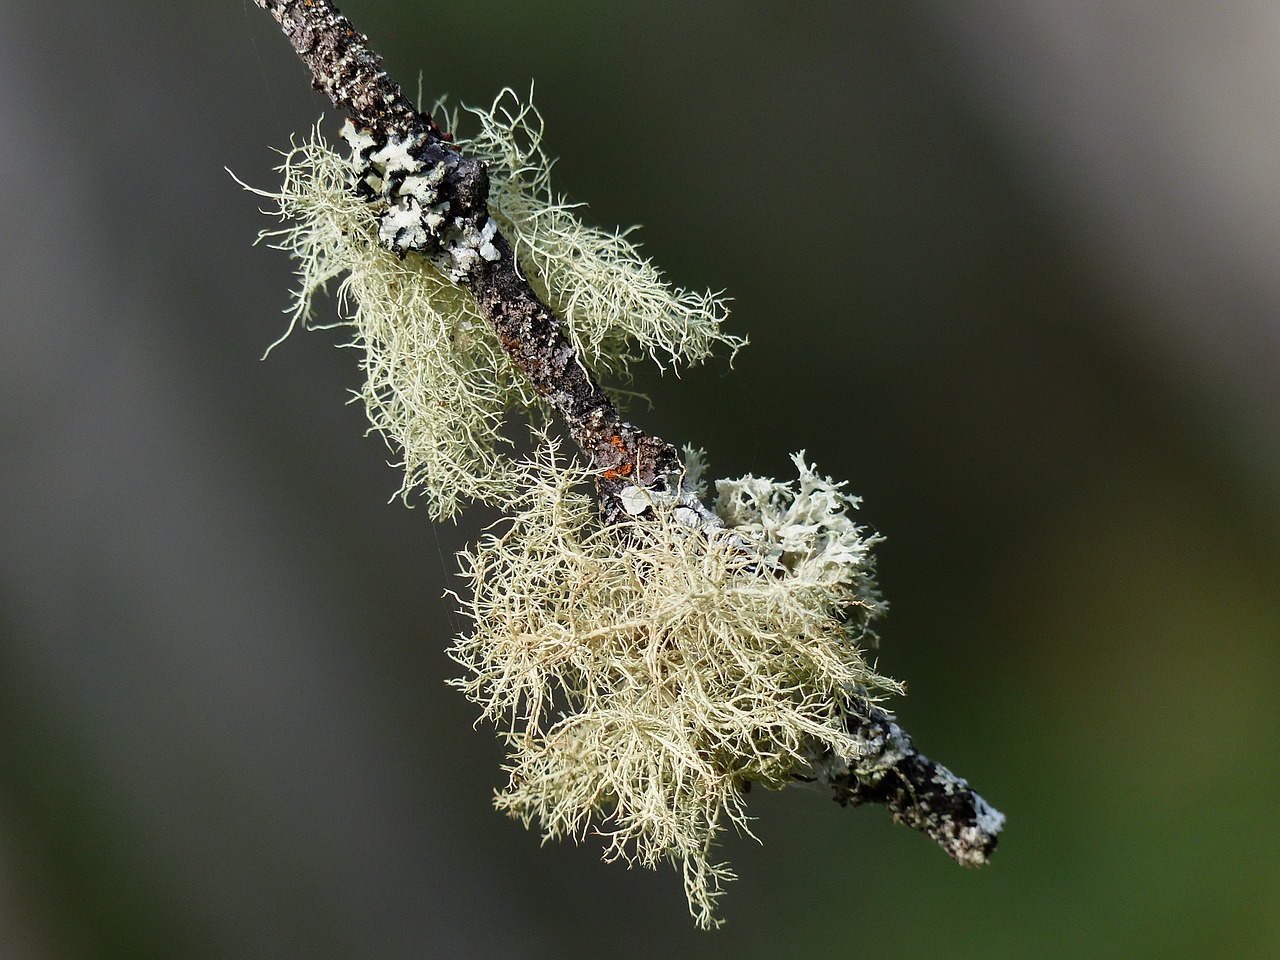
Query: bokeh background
[1009,267]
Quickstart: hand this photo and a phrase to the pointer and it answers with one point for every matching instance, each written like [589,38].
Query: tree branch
[439,208]
[919,792]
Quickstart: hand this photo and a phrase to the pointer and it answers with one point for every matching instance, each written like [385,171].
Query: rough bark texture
[533,336]
[917,791]
[344,68]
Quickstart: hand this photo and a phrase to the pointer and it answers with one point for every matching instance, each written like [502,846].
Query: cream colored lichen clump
[438,386]
[643,674]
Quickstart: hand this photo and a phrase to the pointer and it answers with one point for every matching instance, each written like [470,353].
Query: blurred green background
[1010,268]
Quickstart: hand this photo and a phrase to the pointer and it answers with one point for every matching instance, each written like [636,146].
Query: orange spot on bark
[624,470]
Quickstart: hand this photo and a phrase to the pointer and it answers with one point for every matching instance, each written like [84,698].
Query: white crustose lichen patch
[643,674]
[468,246]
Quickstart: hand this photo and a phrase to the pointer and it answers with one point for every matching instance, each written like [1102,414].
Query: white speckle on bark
[467,247]
[360,141]
[487,233]
[401,227]
[397,157]
[950,783]
[422,186]
[990,820]
[883,752]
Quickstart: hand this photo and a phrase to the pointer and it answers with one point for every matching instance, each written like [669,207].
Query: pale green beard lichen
[643,674]
[614,302]
[438,386]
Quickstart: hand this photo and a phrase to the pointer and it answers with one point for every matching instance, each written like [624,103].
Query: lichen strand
[616,305]
[643,674]
[438,385]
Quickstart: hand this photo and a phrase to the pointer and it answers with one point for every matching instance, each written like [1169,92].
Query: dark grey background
[1010,268]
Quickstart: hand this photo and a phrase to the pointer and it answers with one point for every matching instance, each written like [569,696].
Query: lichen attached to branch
[644,674]
[439,386]
[645,657]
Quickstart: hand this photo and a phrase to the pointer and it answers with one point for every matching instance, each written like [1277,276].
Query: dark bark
[919,792]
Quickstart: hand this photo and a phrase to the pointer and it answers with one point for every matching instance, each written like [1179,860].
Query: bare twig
[439,208]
